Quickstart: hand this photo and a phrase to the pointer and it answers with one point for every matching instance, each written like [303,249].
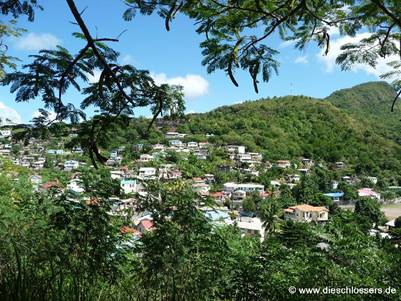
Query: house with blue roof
[335,196]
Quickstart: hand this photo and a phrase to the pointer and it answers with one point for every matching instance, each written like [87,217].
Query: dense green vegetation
[353,125]
[55,248]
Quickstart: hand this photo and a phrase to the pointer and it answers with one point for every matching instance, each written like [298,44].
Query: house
[39,164]
[283,164]
[119,206]
[201,189]
[75,186]
[145,225]
[117,174]
[158,147]
[192,144]
[128,186]
[219,197]
[249,171]
[203,145]
[114,154]
[236,199]
[347,179]
[35,180]
[307,162]
[169,172]
[256,157]
[147,173]
[218,216]
[294,178]
[246,187]
[238,149]
[390,224]
[244,158]
[372,180]
[368,192]
[200,156]
[335,196]
[145,158]
[303,170]
[209,178]
[339,164]
[51,184]
[55,152]
[306,213]
[176,143]
[251,226]
[71,165]
[77,150]
[5,133]
[174,135]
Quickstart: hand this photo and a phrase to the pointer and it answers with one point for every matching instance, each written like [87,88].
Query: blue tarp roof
[334,194]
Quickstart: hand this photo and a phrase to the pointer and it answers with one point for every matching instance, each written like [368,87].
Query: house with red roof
[145,225]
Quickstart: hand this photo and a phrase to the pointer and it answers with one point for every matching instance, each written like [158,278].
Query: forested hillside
[353,125]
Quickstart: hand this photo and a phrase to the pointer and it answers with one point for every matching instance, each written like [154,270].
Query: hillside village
[226,196]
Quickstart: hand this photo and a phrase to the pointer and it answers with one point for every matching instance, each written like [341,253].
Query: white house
[71,165]
[174,135]
[55,152]
[340,164]
[192,144]
[372,180]
[368,192]
[39,164]
[306,213]
[283,164]
[75,186]
[128,186]
[251,226]
[176,143]
[158,147]
[146,158]
[239,149]
[245,158]
[77,150]
[246,187]
[147,173]
[201,188]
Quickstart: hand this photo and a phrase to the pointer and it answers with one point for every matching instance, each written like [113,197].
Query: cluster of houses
[229,197]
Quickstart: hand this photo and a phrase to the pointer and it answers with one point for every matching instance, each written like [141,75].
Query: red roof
[147,224]
[216,194]
[51,184]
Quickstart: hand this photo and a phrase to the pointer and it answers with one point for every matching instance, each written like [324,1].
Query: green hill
[371,102]
[353,125]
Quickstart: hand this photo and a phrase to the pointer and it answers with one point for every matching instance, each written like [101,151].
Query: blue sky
[175,57]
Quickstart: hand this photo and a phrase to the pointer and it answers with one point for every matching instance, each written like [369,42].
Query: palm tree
[270,214]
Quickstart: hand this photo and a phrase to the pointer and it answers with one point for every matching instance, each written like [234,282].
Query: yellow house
[306,213]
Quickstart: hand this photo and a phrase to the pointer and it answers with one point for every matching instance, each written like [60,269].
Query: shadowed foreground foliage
[53,248]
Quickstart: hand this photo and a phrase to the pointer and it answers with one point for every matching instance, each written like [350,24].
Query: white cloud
[52,115]
[37,41]
[194,85]
[288,43]
[128,60]
[301,60]
[329,60]
[7,113]
[95,77]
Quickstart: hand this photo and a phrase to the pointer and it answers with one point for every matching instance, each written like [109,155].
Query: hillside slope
[371,102]
[343,126]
